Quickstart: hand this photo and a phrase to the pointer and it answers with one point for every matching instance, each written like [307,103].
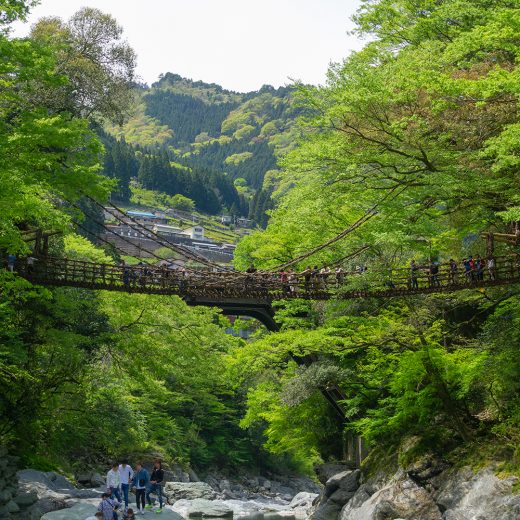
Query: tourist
[108,507]
[340,276]
[491,267]
[414,268]
[126,474]
[324,275]
[453,276]
[307,275]
[472,269]
[129,514]
[315,276]
[156,485]
[480,268]
[467,268]
[434,274]
[293,282]
[31,260]
[141,480]
[114,482]
[11,260]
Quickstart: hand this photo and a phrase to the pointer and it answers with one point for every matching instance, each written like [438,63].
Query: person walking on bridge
[491,267]
[293,282]
[433,273]
[11,260]
[453,273]
[307,275]
[414,269]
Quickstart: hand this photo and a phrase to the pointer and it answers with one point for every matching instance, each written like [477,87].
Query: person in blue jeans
[141,481]
[114,482]
[156,485]
[126,475]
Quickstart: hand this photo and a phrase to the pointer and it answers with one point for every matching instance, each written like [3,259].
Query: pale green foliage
[238,158]
[79,248]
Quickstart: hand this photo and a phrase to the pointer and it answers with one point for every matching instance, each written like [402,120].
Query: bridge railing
[186,283]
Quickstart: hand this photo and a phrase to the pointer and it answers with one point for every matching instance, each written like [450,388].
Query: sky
[239,44]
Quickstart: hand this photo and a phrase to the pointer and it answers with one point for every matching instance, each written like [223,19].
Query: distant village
[125,235]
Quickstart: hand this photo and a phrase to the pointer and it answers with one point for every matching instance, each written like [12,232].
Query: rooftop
[141,214]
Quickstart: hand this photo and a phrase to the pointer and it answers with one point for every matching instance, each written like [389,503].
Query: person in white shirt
[126,475]
[114,482]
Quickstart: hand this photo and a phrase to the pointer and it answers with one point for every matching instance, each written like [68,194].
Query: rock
[325,471]
[346,480]
[188,490]
[463,495]
[12,507]
[193,476]
[339,489]
[201,508]
[90,479]
[303,500]
[76,512]
[224,485]
[26,499]
[400,498]
[33,479]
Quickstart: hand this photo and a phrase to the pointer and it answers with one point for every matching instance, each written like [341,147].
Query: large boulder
[465,495]
[339,489]
[188,490]
[325,471]
[31,478]
[303,500]
[401,498]
[201,508]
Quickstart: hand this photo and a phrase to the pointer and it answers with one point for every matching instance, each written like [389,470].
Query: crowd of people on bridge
[121,478]
[468,270]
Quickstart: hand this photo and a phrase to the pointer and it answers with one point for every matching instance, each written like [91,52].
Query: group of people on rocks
[120,479]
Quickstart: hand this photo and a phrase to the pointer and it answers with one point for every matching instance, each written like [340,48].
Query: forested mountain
[408,157]
[214,133]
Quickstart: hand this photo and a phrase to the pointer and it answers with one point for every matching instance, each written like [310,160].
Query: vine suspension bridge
[253,294]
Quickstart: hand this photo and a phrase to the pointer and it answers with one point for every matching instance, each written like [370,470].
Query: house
[195,232]
[144,217]
[244,222]
[226,219]
[168,231]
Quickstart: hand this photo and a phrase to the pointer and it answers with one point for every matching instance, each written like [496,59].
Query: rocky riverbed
[427,490]
[50,496]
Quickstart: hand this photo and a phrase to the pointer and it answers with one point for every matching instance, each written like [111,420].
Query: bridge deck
[233,288]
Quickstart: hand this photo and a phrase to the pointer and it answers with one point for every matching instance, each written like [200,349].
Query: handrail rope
[180,249]
[166,243]
[123,253]
[370,213]
[113,232]
[122,237]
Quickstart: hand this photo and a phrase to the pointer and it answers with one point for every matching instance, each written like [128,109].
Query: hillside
[205,128]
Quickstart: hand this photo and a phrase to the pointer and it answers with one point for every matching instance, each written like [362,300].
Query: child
[129,515]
